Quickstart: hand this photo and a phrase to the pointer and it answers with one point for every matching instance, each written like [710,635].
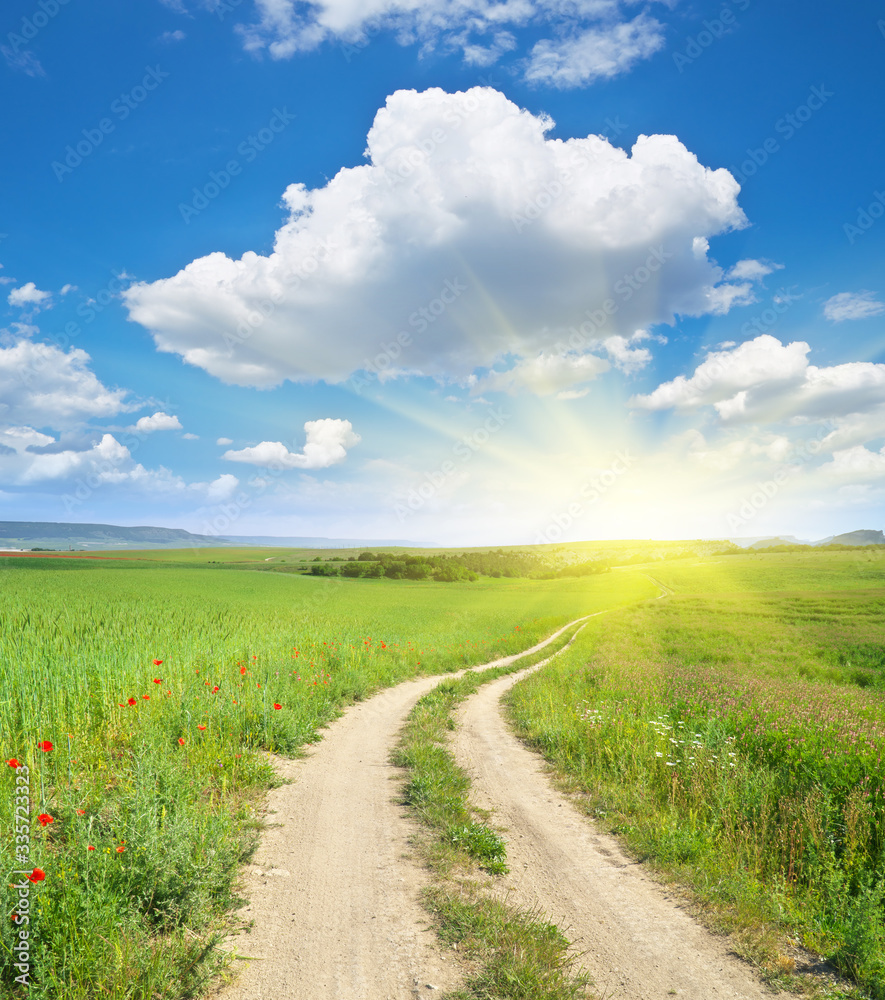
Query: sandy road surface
[333,897]
[638,943]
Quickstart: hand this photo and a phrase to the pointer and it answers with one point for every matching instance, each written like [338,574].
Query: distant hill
[866,536]
[62,535]
[762,541]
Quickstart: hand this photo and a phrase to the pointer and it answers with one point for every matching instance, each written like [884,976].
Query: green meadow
[142,695]
[733,734]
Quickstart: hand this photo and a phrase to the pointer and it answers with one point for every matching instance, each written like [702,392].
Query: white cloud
[597,53]
[158,422]
[424,239]
[68,288]
[752,270]
[173,36]
[857,463]
[327,443]
[593,38]
[220,489]
[765,380]
[629,359]
[544,375]
[23,60]
[190,437]
[852,305]
[47,387]
[224,441]
[28,295]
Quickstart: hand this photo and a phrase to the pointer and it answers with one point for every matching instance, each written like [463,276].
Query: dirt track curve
[333,896]
[637,942]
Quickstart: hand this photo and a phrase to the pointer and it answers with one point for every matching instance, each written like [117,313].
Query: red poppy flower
[120,849]
[277,706]
[181,740]
[254,657]
[90,848]
[146,697]
[37,875]
[158,680]
[81,812]
[214,689]
[13,763]
[242,670]
[131,701]
[13,917]
[201,727]
[157,663]
[45,746]
[44,819]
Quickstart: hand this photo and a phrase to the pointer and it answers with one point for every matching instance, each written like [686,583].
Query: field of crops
[734,734]
[136,700]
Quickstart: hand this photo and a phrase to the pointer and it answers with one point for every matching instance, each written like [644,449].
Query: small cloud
[572,394]
[157,422]
[224,441]
[68,288]
[752,270]
[28,295]
[24,61]
[852,305]
[327,444]
[190,437]
[173,36]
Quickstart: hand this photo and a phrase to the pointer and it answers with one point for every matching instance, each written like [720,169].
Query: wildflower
[120,849]
[201,727]
[45,746]
[242,670]
[275,705]
[146,697]
[181,741]
[214,689]
[81,812]
[90,848]
[13,763]
[131,701]
[37,875]
[44,819]
[658,754]
[157,663]
[158,680]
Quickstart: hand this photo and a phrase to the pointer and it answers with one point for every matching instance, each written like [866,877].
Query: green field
[733,734]
[156,766]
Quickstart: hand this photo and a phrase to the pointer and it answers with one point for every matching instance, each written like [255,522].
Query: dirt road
[333,895]
[638,943]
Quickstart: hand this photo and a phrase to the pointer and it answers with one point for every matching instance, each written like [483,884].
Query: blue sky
[457,272]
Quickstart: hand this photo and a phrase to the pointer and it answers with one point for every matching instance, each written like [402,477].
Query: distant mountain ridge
[65,535]
[863,536]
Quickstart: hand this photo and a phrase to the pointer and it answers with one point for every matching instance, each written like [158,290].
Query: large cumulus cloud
[470,235]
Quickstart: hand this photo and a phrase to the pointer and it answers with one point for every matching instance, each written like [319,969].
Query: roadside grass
[515,954]
[159,690]
[735,741]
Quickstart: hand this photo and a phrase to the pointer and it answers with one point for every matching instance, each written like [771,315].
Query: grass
[158,688]
[733,735]
[517,955]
